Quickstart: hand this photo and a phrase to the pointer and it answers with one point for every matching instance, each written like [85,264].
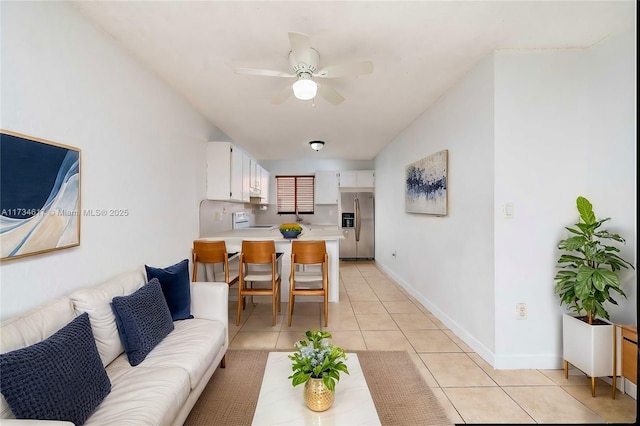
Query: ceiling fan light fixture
[316,145]
[305,89]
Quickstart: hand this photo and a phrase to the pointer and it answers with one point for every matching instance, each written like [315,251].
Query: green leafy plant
[316,358]
[589,268]
[290,227]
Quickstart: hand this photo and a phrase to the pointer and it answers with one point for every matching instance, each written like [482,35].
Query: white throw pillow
[96,302]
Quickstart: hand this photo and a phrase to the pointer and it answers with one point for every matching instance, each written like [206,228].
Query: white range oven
[242,220]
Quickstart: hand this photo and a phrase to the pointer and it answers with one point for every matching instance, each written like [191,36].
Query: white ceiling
[419,49]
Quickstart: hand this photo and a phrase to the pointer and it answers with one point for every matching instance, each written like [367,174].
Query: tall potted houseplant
[588,274]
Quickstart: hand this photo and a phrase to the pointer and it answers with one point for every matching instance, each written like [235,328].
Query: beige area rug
[399,392]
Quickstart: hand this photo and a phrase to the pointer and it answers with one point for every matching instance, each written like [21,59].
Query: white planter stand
[589,348]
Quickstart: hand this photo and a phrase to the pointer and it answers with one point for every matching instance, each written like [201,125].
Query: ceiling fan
[304,68]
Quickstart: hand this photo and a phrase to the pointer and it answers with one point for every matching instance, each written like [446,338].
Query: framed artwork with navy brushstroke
[426,185]
[39,196]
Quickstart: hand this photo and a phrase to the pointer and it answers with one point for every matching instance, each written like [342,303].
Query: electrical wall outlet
[521,311]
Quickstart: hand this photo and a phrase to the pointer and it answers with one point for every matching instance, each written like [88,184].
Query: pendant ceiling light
[316,145]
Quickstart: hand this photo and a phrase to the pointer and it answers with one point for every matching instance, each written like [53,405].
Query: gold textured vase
[317,395]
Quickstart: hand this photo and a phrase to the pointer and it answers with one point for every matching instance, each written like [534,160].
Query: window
[295,193]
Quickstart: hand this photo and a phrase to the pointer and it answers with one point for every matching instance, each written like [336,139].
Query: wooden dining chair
[259,264]
[309,273]
[214,253]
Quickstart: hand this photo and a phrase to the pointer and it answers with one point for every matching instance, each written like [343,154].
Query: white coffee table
[280,403]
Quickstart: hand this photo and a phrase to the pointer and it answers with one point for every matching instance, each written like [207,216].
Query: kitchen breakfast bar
[330,234]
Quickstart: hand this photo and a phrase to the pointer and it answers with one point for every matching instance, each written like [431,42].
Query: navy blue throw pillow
[143,320]
[176,287]
[60,378]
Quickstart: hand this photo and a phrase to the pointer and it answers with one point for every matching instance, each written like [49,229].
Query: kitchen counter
[330,234]
[309,232]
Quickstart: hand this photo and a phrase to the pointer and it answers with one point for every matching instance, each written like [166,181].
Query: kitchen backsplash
[324,214]
[215,216]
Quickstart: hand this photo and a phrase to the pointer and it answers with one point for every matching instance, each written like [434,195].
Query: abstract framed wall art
[426,185]
[39,196]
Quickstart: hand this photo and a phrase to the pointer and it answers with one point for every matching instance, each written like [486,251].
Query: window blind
[295,193]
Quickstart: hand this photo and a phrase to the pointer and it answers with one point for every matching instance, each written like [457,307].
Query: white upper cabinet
[326,183]
[264,186]
[347,179]
[246,177]
[365,178]
[357,179]
[233,175]
[256,178]
[225,172]
[259,182]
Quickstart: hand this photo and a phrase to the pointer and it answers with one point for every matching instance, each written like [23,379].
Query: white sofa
[164,387]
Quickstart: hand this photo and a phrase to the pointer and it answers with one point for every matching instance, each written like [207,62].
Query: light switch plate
[507,210]
[521,311]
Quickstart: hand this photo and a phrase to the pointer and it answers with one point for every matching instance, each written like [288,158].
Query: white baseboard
[624,386]
[631,389]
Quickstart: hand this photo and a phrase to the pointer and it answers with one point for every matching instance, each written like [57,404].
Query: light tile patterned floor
[374,313]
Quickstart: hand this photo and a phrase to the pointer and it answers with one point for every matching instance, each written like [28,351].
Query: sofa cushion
[33,327]
[96,301]
[142,396]
[60,378]
[143,320]
[36,325]
[175,287]
[193,345]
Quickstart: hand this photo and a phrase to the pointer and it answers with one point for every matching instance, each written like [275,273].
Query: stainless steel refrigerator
[357,225]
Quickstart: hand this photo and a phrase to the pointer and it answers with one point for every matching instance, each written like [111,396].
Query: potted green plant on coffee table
[317,363]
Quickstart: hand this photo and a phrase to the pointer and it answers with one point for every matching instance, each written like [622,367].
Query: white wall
[560,124]
[564,128]
[142,149]
[447,262]
[541,110]
[613,130]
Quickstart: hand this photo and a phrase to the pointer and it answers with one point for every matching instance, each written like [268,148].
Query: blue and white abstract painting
[39,196]
[426,183]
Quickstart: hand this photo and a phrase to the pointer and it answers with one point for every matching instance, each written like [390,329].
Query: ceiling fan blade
[301,47]
[282,96]
[341,70]
[330,94]
[267,73]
